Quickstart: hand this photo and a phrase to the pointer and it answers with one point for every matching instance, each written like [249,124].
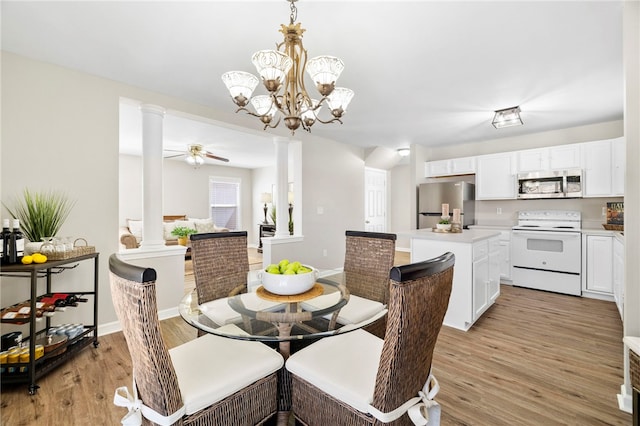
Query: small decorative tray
[315,291]
[447,231]
[611,227]
[79,249]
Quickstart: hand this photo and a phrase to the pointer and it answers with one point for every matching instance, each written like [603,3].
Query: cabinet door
[493,287]
[564,156]
[596,159]
[618,275]
[618,158]
[533,160]
[480,278]
[495,179]
[437,168]
[505,260]
[463,166]
[600,263]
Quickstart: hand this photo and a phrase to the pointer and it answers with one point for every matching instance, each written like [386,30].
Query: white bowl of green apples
[287,278]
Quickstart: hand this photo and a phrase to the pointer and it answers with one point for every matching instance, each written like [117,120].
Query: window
[224,199]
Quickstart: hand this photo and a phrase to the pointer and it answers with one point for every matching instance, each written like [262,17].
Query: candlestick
[456,215]
[445,210]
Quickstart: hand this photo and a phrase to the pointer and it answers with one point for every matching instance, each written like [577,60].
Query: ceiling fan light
[324,71]
[240,85]
[339,99]
[272,66]
[194,160]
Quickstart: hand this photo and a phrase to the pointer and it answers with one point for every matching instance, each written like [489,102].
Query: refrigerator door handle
[430,214]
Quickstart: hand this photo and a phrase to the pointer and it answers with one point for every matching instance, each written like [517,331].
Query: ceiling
[423,72]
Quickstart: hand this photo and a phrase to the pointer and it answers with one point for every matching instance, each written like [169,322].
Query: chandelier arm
[329,121]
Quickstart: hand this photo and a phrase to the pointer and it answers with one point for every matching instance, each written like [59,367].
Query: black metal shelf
[31,371]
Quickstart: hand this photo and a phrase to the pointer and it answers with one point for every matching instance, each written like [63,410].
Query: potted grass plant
[183,232]
[41,215]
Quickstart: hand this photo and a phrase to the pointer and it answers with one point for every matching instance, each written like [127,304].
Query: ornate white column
[282,186]
[152,233]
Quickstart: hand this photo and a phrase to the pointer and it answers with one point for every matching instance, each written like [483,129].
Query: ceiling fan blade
[174,150]
[174,156]
[215,157]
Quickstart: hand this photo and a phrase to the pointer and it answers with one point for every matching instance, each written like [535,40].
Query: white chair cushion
[221,313]
[344,366]
[356,310]
[210,368]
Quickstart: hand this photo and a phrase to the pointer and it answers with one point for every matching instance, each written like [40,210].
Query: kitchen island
[476,274]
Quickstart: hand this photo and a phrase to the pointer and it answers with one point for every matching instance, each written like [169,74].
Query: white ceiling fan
[195,155]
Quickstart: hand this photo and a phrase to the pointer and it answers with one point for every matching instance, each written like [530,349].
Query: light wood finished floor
[534,358]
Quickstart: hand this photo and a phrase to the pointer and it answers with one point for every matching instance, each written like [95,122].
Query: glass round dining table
[263,316]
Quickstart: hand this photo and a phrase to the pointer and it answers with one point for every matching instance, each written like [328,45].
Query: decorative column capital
[153,109]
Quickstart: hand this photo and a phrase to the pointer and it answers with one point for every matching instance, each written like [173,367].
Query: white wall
[60,131]
[186,190]
[401,194]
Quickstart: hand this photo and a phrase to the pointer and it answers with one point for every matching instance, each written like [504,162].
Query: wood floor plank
[534,358]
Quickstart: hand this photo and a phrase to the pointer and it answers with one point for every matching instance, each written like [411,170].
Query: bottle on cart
[16,235]
[6,236]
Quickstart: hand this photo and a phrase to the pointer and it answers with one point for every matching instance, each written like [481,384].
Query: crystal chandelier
[282,72]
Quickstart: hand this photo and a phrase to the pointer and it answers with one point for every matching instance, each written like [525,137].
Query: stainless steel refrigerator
[459,195]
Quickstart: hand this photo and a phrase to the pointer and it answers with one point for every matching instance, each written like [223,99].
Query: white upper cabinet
[565,156]
[619,161]
[495,176]
[603,163]
[450,167]
[551,158]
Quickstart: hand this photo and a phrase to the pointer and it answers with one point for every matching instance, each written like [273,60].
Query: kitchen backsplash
[505,212]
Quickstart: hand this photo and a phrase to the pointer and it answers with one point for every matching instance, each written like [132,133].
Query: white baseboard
[624,400]
[114,327]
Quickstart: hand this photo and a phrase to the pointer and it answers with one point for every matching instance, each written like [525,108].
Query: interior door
[375,200]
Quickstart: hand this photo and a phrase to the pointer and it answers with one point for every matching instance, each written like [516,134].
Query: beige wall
[60,130]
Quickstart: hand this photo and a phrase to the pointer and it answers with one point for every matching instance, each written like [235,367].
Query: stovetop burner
[549,220]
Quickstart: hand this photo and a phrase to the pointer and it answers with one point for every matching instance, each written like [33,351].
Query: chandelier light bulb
[273,67]
[240,85]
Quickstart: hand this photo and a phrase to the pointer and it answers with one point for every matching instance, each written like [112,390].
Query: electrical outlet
[499,210]
[324,252]
[604,211]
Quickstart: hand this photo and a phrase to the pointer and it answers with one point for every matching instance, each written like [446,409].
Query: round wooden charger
[314,291]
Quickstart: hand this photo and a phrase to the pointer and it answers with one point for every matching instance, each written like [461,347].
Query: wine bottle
[16,235]
[6,236]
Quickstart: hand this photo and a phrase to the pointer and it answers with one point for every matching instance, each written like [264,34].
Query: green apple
[273,269]
[289,272]
[303,270]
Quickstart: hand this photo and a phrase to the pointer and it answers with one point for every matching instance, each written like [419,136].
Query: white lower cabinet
[618,275]
[486,275]
[597,256]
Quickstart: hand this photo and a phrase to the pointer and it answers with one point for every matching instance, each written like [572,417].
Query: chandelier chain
[294,12]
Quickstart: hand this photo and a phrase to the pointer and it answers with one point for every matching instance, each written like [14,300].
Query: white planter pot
[444,227]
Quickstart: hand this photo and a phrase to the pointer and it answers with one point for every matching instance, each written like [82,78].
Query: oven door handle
[547,233]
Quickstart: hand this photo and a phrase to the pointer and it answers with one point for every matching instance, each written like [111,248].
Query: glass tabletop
[252,316]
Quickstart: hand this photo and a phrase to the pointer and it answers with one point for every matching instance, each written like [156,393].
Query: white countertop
[467,236]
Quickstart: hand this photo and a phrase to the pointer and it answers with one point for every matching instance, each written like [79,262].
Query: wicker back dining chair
[220,264]
[345,379]
[209,380]
[368,258]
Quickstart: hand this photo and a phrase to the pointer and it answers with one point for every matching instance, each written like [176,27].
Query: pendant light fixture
[282,73]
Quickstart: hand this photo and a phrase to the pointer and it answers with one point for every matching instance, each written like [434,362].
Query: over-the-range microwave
[550,184]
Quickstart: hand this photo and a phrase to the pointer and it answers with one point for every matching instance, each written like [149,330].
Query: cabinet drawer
[480,250]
